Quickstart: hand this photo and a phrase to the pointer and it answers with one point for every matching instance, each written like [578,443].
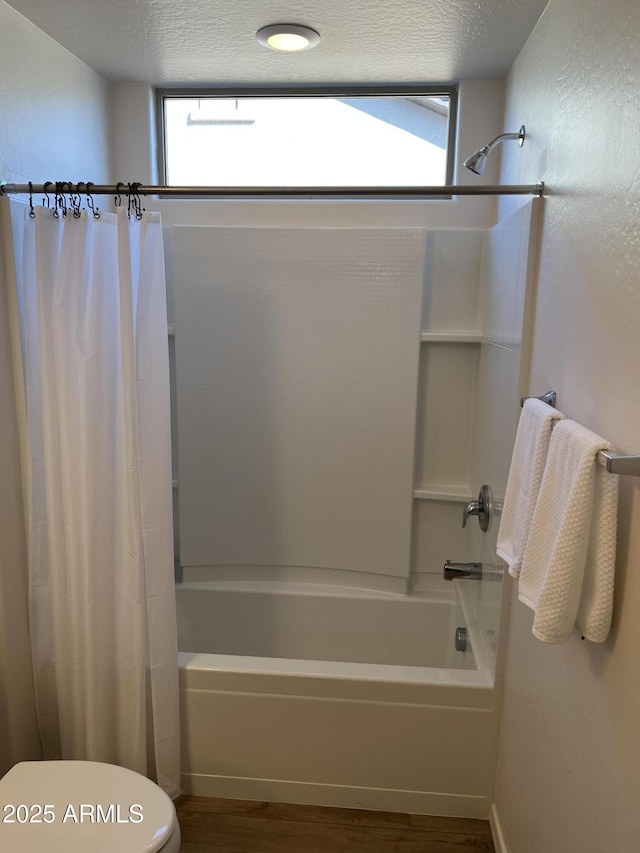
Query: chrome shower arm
[504,136]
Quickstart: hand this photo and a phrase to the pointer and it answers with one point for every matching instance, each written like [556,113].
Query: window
[398,138]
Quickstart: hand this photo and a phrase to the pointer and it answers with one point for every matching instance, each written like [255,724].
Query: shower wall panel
[452,335]
[297,356]
[452,266]
[445,413]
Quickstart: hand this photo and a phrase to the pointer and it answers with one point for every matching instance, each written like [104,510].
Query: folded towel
[568,566]
[525,475]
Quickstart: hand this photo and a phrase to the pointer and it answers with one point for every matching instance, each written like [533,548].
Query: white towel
[525,475]
[568,566]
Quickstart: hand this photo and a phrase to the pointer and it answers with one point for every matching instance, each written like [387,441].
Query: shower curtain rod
[280,192]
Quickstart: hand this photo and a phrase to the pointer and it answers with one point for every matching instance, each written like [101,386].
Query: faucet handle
[484,508]
[472,508]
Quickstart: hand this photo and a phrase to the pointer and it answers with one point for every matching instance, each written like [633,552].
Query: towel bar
[623,465]
[549,398]
[629,465]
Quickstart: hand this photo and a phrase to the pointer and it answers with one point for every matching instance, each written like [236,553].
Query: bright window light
[360,141]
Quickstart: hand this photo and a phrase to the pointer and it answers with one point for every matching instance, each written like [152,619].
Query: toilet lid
[80,806]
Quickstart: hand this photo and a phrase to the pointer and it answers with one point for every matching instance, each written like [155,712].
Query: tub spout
[472,571]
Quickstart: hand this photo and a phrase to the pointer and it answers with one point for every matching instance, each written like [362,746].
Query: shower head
[478,159]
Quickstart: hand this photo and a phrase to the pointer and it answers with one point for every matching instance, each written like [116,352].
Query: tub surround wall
[297,357]
[474,366]
[296,527]
[450,341]
[568,771]
[467,390]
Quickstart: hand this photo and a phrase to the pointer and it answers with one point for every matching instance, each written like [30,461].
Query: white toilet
[81,806]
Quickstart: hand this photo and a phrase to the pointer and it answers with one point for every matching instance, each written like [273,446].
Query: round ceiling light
[288,37]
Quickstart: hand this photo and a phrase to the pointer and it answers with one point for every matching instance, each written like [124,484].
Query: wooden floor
[242,826]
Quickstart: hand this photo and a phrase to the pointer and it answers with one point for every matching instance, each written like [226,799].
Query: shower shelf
[451,337]
[450,494]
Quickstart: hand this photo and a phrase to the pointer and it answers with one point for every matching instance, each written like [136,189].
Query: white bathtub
[316,694]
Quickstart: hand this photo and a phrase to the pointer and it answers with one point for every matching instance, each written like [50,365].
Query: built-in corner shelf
[451,337]
[452,494]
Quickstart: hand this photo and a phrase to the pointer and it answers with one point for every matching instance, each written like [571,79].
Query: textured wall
[569,765]
[54,109]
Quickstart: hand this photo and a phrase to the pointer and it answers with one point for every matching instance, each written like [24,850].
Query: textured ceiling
[212,41]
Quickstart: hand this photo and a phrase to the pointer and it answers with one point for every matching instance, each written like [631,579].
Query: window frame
[415,90]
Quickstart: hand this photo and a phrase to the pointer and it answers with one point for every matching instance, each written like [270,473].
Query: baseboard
[341,796]
[496,831]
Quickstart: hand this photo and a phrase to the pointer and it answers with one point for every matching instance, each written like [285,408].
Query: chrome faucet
[462,570]
[472,508]
[485,508]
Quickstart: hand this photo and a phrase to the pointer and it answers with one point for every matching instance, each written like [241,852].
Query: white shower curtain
[101,595]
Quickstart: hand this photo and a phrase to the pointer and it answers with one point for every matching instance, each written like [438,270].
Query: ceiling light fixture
[288,37]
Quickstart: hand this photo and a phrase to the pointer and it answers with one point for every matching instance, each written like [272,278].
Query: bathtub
[307,693]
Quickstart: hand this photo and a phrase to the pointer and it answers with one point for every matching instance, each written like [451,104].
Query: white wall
[135,156]
[569,764]
[54,108]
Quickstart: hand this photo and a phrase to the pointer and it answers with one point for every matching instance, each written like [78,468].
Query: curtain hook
[74,200]
[137,202]
[90,204]
[32,213]
[63,201]
[79,196]
[46,194]
[59,201]
[118,196]
[129,201]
